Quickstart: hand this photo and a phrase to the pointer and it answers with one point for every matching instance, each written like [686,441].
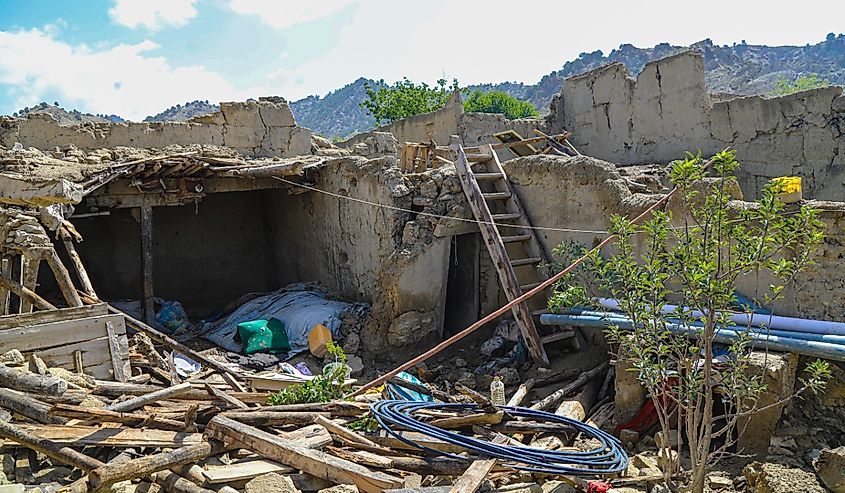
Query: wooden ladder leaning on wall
[510,217]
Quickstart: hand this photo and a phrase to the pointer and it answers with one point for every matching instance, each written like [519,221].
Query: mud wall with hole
[666,111]
[264,128]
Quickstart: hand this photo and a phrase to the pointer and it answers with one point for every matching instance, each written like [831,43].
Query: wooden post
[29,278]
[114,352]
[555,398]
[147,262]
[19,289]
[28,406]
[5,292]
[62,278]
[76,261]
[143,400]
[31,382]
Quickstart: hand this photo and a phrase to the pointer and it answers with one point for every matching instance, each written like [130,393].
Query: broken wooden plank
[313,462]
[29,279]
[51,316]
[79,267]
[106,416]
[243,470]
[469,420]
[223,396]
[272,418]
[114,352]
[83,436]
[31,382]
[334,408]
[362,457]
[342,431]
[65,455]
[143,400]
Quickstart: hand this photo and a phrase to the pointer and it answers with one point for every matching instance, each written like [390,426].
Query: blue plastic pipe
[827,350]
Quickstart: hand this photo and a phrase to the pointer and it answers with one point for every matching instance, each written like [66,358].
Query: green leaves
[785,86]
[388,103]
[499,102]
[325,387]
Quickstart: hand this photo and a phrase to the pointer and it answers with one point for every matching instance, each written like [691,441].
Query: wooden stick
[469,420]
[523,390]
[62,278]
[29,278]
[172,344]
[108,474]
[28,406]
[422,389]
[79,267]
[106,416]
[173,483]
[334,408]
[25,293]
[65,455]
[5,273]
[313,462]
[143,400]
[273,418]
[557,396]
[343,432]
[232,401]
[520,299]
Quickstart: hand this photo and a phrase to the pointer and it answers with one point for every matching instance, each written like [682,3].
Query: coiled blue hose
[607,458]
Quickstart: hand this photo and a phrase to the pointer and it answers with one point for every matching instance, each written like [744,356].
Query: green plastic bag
[264,336]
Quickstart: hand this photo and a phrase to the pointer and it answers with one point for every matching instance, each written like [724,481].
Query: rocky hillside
[738,69]
[184,112]
[65,117]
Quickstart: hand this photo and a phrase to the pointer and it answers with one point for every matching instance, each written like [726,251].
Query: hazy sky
[137,57]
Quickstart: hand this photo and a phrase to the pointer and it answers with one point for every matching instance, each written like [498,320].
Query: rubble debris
[830,467]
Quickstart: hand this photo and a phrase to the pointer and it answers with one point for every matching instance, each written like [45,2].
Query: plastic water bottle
[497,391]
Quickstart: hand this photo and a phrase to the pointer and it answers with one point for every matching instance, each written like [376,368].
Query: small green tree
[696,261]
[388,103]
[785,86]
[499,102]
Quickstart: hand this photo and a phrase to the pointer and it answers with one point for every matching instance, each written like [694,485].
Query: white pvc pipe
[757,320]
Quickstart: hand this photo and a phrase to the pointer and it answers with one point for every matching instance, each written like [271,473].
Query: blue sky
[136,57]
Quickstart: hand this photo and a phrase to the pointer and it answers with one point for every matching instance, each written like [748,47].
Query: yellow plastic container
[791,188]
[319,336]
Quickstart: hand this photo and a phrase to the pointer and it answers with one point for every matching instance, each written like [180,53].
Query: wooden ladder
[510,216]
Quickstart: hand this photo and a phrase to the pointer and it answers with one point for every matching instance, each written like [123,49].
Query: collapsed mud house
[245,201]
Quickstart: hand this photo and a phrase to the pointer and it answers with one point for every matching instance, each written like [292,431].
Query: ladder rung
[529,287]
[505,217]
[515,238]
[488,176]
[526,261]
[477,158]
[496,195]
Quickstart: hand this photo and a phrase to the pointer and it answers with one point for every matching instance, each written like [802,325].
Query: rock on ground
[271,483]
[830,467]
[341,488]
[777,478]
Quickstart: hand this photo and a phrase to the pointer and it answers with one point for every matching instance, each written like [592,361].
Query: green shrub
[499,102]
[785,86]
[388,103]
[325,387]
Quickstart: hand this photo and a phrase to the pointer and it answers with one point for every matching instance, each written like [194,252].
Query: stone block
[830,467]
[271,483]
[243,137]
[630,395]
[777,478]
[276,114]
[778,375]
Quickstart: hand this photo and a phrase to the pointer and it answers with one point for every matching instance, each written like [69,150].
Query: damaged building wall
[588,191]
[666,111]
[263,128]
[439,125]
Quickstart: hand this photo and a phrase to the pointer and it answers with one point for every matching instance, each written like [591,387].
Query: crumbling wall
[473,128]
[666,111]
[581,193]
[263,128]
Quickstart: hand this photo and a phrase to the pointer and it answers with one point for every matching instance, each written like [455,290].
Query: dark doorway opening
[462,285]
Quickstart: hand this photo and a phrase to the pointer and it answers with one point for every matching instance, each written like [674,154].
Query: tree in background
[388,103]
[499,102]
[785,86]
[698,259]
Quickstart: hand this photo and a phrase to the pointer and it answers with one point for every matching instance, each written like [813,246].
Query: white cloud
[153,14]
[282,15]
[123,79]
